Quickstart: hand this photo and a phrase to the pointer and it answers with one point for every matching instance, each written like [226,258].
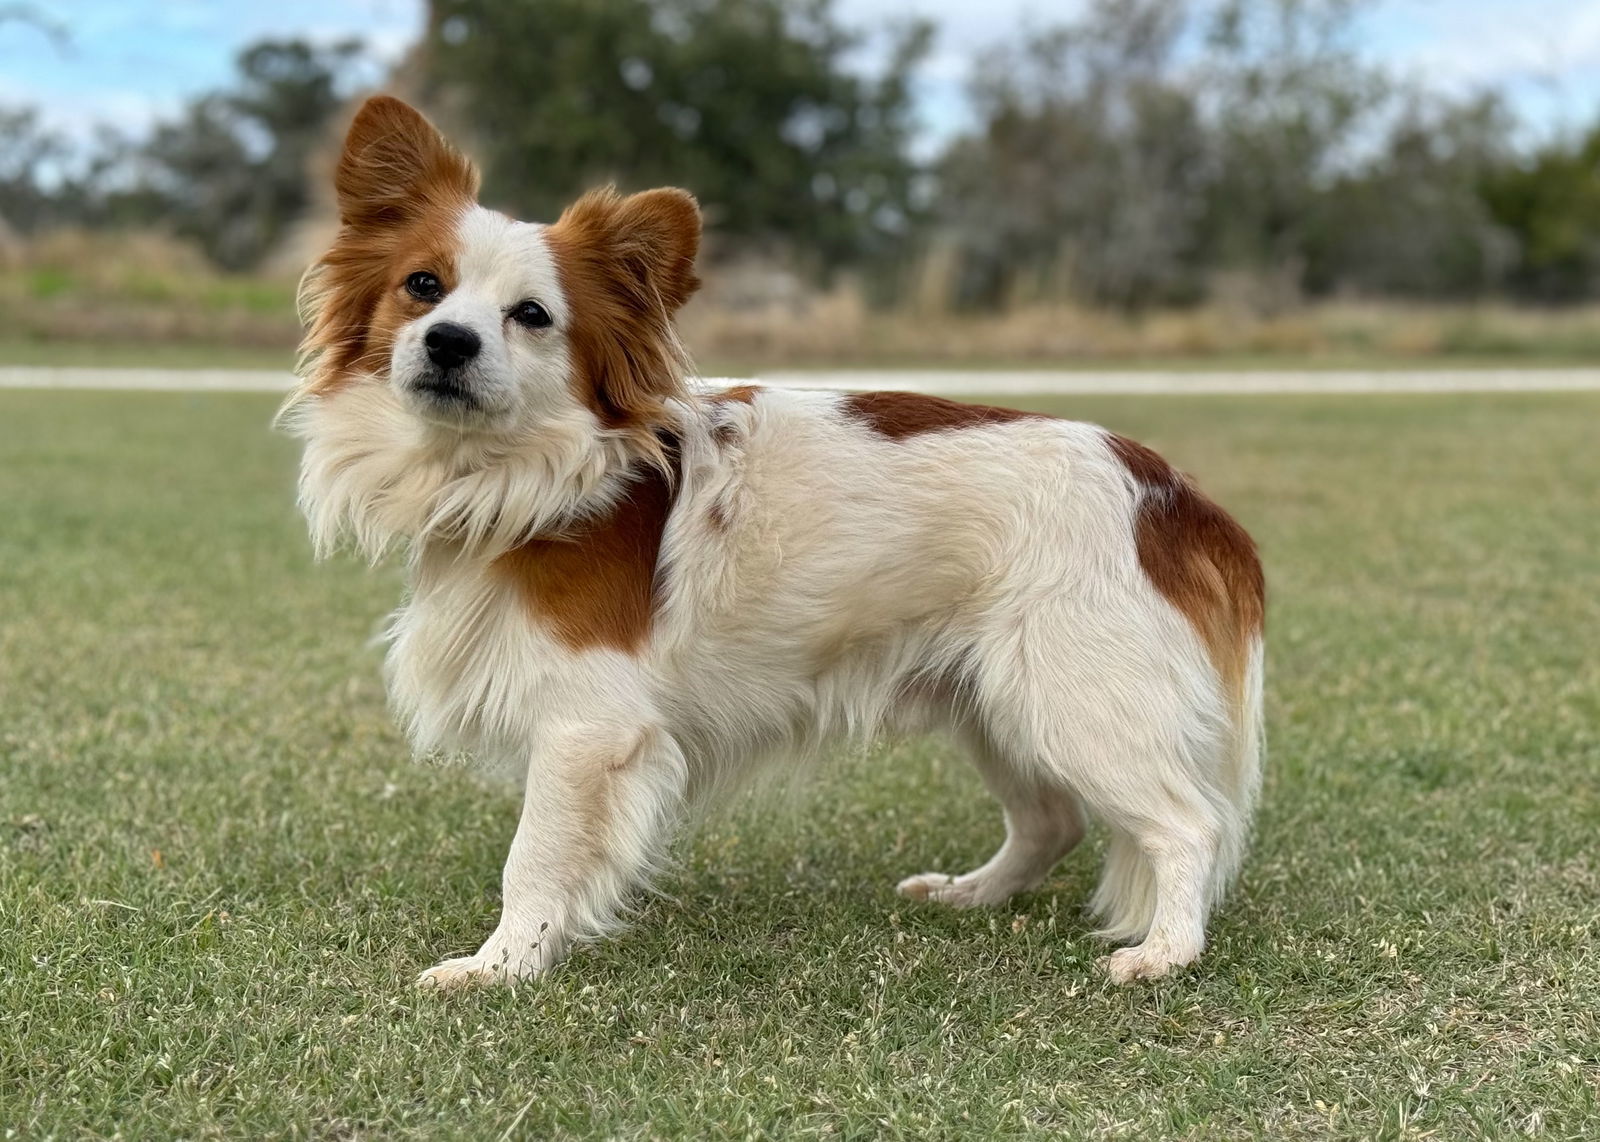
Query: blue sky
[128,62]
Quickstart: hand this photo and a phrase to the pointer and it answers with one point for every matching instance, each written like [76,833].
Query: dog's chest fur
[462,666]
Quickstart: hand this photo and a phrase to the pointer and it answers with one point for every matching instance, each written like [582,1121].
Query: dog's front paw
[973,890]
[492,964]
[468,971]
[505,958]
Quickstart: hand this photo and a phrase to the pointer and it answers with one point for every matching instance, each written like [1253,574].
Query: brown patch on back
[1199,558]
[900,415]
[738,394]
[402,191]
[596,585]
[627,266]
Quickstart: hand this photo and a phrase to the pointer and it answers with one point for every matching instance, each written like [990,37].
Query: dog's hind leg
[1142,739]
[1044,821]
[1163,887]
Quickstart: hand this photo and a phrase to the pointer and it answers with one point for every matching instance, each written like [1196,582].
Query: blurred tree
[231,173]
[1288,99]
[1410,219]
[1550,204]
[27,148]
[1152,150]
[757,106]
[201,180]
[1088,171]
[1146,152]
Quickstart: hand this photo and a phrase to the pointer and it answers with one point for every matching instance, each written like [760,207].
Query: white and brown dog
[635,585]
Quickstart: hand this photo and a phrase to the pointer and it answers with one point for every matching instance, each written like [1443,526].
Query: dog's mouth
[443,396]
[447,389]
[469,399]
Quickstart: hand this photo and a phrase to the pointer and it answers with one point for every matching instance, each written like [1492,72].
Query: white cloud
[1480,43]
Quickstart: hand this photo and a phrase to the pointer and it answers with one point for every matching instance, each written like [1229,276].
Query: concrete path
[971,382]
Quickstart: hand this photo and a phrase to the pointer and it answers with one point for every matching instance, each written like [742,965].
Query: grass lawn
[219,871]
[169,355]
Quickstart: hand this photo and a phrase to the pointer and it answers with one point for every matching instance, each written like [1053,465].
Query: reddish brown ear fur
[651,238]
[401,188]
[396,165]
[627,265]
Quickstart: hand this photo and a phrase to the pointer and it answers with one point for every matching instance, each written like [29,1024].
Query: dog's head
[476,323]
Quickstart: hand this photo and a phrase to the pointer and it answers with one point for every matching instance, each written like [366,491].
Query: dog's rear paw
[1141,961]
[956,891]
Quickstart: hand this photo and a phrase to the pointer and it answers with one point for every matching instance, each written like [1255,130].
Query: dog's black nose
[450,345]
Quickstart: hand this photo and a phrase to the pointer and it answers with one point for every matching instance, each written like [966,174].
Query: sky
[127,63]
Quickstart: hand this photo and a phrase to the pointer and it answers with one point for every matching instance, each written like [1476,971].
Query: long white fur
[817,581]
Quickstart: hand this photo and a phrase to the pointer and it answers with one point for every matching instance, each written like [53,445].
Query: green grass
[219,872]
[161,355]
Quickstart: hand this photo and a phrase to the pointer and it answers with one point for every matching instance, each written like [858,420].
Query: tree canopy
[1138,153]
[755,105]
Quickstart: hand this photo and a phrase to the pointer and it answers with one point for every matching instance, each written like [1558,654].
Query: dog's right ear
[396,166]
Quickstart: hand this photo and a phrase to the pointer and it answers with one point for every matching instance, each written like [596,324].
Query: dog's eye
[530,314]
[424,286]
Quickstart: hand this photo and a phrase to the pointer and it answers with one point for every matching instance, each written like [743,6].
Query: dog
[635,586]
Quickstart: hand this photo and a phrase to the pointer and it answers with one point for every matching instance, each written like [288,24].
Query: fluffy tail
[1241,768]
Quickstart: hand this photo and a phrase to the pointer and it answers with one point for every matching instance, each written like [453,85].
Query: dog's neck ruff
[375,475]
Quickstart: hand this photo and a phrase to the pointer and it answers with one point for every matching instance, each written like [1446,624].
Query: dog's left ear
[659,232]
[627,264]
[644,242]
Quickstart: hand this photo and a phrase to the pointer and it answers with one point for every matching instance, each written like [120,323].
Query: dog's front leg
[598,807]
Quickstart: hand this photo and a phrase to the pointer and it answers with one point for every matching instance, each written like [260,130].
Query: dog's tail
[1241,763]
[1228,776]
